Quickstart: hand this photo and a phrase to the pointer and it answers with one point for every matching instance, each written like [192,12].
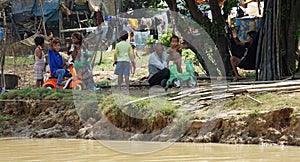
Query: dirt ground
[104,72]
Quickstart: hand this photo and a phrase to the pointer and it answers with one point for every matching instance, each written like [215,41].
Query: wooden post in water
[43,17]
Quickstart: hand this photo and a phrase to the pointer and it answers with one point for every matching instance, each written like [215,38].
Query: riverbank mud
[58,119]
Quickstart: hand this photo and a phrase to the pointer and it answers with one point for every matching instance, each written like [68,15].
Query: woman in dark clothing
[247,61]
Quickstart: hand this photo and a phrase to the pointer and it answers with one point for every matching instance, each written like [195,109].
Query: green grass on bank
[108,102]
[115,102]
[21,60]
[147,108]
[270,101]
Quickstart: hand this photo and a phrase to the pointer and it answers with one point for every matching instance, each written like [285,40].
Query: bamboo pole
[278,29]
[78,19]
[273,42]
[60,25]
[259,50]
[269,45]
[43,17]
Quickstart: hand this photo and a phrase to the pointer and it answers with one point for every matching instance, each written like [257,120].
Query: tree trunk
[292,40]
[220,38]
[277,50]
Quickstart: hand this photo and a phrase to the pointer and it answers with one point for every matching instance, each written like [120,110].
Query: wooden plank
[73,30]
[275,89]
[189,91]
[274,85]
[216,97]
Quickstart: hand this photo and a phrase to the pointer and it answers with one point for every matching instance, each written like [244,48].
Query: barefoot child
[40,61]
[122,57]
[133,63]
[56,61]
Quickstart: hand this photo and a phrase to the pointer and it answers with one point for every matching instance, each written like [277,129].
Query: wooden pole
[78,19]
[60,25]
[269,44]
[43,17]
[278,29]
[35,24]
[4,42]
[14,26]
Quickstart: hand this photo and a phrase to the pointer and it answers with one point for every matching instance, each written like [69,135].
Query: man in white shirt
[158,66]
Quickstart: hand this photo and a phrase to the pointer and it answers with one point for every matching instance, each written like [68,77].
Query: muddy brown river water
[12,149]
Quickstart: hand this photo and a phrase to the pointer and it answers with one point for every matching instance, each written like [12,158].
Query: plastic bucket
[11,81]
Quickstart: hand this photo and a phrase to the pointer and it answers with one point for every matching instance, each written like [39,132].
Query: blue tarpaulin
[1,34]
[50,8]
[25,9]
[247,24]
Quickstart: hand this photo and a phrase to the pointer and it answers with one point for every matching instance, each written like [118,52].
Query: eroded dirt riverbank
[46,118]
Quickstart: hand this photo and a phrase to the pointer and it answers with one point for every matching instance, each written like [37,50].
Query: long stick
[43,17]
[278,29]
[254,99]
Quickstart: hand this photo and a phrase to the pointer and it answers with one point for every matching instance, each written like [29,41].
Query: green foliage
[165,39]
[254,112]
[150,41]
[4,118]
[145,108]
[188,54]
[133,4]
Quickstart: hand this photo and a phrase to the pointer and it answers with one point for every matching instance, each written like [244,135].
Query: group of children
[124,58]
[77,50]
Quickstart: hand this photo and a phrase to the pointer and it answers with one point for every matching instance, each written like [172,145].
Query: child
[122,57]
[175,52]
[56,62]
[40,61]
[135,54]
[82,61]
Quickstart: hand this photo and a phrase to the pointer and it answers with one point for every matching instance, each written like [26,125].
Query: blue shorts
[122,68]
